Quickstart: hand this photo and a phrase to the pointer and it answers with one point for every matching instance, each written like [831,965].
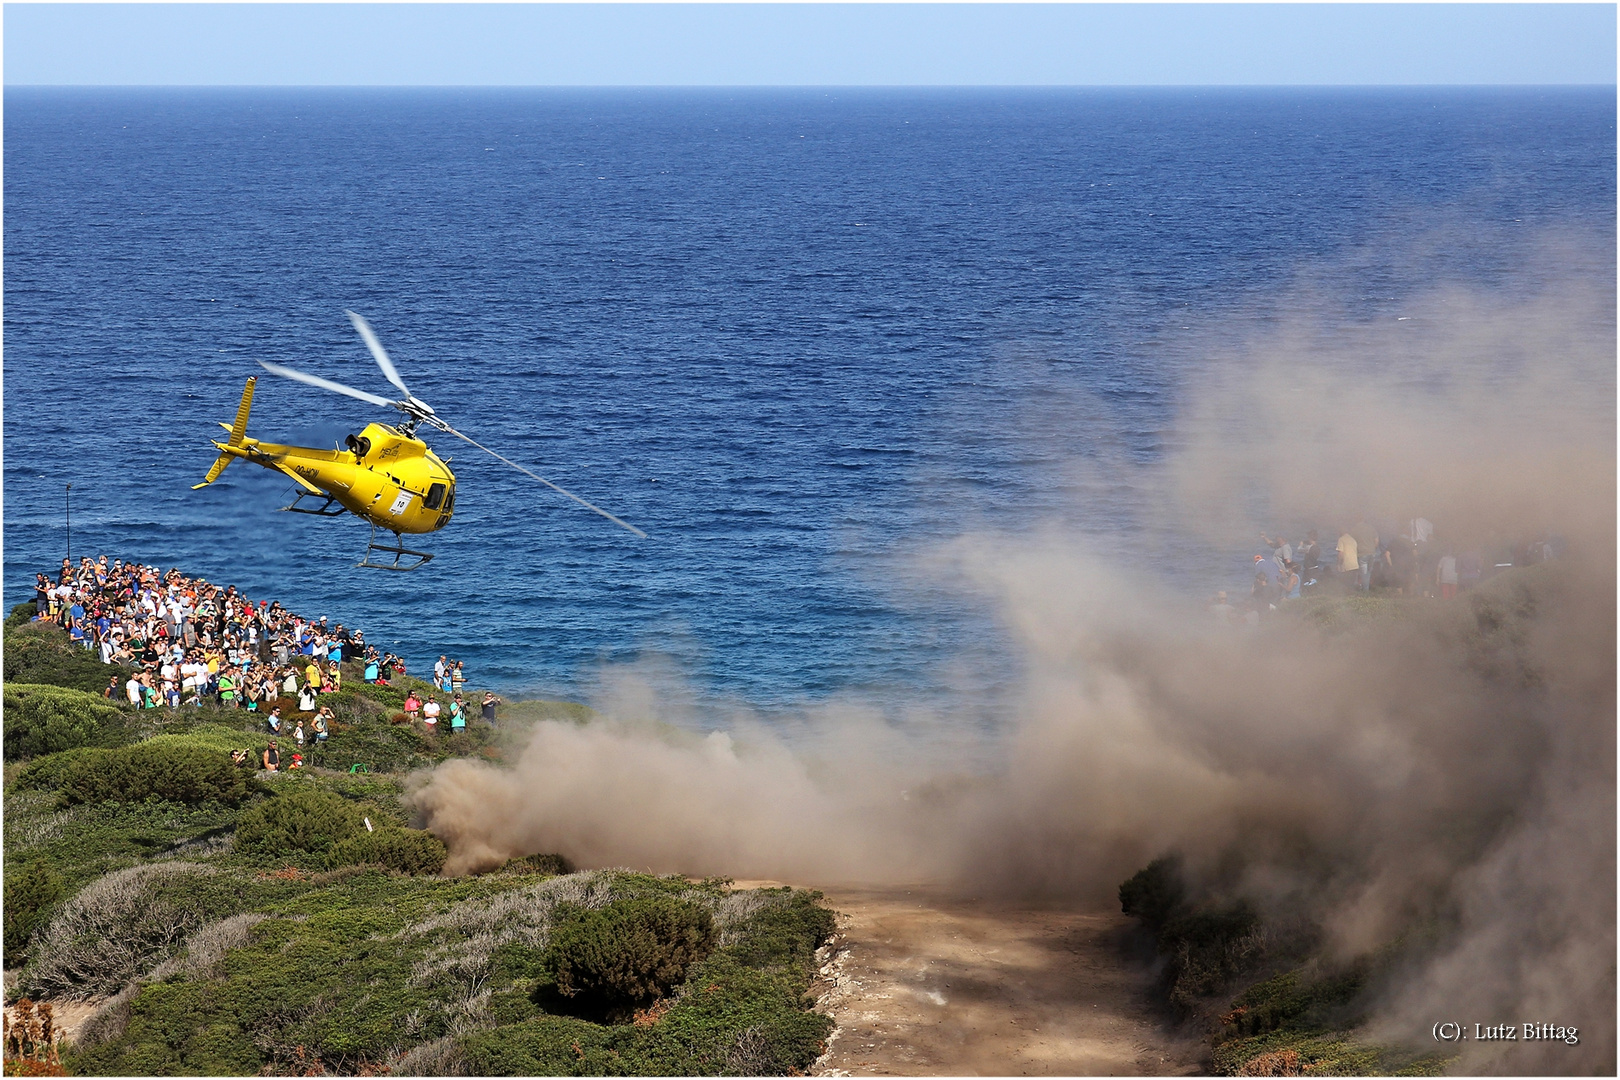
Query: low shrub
[42,653]
[116,928]
[628,952]
[297,821]
[47,773]
[410,851]
[31,892]
[1328,1054]
[42,719]
[1154,894]
[537,864]
[742,1013]
[1296,999]
[167,770]
[1205,943]
[20,615]
[785,933]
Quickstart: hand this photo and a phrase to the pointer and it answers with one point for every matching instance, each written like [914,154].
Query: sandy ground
[67,1016]
[923,984]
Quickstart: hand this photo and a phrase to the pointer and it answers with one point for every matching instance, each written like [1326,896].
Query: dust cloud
[1446,774]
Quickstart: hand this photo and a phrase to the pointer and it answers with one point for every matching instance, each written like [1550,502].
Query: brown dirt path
[923,984]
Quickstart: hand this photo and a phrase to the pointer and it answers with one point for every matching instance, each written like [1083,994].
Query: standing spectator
[458,714]
[112,688]
[1446,575]
[1223,612]
[1349,560]
[306,698]
[272,757]
[487,709]
[321,724]
[413,705]
[273,721]
[458,678]
[132,689]
[370,675]
[430,711]
[298,734]
[1366,546]
[1309,557]
[1280,546]
[1264,595]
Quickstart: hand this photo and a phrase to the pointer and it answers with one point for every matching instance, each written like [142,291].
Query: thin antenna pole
[70,524]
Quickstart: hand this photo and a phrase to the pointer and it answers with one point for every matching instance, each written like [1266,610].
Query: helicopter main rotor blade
[442,426]
[325,384]
[378,354]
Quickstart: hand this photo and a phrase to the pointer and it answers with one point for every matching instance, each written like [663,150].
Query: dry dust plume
[1443,766]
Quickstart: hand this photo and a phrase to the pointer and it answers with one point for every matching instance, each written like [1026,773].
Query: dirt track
[923,984]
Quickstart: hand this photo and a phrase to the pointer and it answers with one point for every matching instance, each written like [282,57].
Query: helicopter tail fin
[238,432]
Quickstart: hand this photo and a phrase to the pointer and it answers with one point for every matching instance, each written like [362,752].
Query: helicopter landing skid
[398,551]
[329,508]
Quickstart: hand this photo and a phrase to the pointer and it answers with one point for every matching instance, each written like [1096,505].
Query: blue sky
[303,44]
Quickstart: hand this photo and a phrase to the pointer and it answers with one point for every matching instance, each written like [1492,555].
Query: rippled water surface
[801,338]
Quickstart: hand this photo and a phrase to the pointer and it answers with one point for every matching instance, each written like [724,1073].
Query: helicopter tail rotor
[238,433]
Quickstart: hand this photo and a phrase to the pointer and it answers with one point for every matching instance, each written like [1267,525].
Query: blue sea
[801,338]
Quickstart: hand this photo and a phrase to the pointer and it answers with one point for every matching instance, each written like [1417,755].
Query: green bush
[166,770]
[410,851]
[538,864]
[1205,943]
[31,891]
[43,653]
[1293,999]
[786,933]
[298,821]
[1154,894]
[43,719]
[21,614]
[47,773]
[629,952]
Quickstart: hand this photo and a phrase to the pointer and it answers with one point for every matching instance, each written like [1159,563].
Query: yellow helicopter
[385,474]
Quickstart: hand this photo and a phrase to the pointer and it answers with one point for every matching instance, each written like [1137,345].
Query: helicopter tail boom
[238,433]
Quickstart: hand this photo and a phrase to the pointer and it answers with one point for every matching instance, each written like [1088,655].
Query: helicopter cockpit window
[435,496]
[451,503]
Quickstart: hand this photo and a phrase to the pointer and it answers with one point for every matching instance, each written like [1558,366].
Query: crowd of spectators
[186,641]
[1404,559]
